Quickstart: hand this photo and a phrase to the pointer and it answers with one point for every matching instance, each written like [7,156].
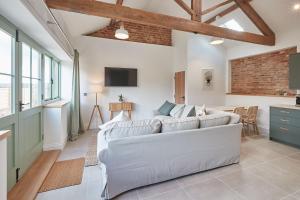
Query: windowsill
[4,134]
[261,95]
[56,104]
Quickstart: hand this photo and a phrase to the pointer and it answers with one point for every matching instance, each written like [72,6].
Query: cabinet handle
[284,120]
[286,112]
[284,129]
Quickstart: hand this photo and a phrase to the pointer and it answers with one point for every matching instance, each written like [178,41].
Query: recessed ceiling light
[297,6]
[217,41]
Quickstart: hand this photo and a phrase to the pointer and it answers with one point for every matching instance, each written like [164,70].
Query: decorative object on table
[122,106]
[95,89]
[121,98]
[207,79]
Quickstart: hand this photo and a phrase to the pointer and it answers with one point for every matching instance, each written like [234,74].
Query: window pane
[26,92]
[25,60]
[47,88]
[55,78]
[36,92]
[5,53]
[36,64]
[5,95]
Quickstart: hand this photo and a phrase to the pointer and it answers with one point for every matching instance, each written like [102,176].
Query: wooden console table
[117,107]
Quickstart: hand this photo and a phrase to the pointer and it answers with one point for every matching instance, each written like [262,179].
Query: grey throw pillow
[166,108]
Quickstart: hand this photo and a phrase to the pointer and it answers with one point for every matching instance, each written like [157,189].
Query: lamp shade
[217,41]
[95,88]
[122,33]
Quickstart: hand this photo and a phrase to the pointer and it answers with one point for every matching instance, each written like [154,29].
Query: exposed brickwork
[264,74]
[138,33]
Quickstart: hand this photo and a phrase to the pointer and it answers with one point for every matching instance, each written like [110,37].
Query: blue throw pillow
[166,108]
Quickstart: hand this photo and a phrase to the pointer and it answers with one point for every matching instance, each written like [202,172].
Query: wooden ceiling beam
[101,9]
[254,17]
[185,7]
[223,13]
[204,12]
[197,8]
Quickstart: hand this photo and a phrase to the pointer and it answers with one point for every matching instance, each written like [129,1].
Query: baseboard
[55,146]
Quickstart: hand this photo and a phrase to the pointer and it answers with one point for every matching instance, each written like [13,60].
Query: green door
[20,99]
[30,105]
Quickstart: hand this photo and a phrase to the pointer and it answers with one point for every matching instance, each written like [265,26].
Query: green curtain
[76,120]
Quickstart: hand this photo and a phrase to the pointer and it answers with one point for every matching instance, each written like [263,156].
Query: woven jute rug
[63,174]
[91,155]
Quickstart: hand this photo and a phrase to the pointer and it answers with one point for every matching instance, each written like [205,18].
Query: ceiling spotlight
[217,41]
[297,6]
[122,33]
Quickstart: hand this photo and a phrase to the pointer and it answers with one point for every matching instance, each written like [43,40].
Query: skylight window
[232,24]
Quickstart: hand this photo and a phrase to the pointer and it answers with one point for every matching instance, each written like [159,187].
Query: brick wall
[264,74]
[138,33]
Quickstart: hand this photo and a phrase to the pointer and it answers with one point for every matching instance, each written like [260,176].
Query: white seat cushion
[120,117]
[177,110]
[212,120]
[171,125]
[132,128]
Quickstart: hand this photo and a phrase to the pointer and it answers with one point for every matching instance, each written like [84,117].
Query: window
[52,79]
[233,24]
[6,74]
[31,77]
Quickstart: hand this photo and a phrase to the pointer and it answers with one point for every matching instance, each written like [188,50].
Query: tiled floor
[267,171]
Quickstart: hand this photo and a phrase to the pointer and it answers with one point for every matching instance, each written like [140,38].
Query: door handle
[21,105]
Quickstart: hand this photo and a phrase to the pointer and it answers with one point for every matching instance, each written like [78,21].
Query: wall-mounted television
[120,77]
[294,71]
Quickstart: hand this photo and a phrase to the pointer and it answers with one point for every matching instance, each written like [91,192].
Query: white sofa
[137,161]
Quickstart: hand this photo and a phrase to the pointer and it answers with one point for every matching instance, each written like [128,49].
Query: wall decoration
[208,79]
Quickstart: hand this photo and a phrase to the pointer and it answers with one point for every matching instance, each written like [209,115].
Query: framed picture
[208,79]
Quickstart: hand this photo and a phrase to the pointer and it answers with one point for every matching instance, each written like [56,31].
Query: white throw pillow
[171,125]
[213,120]
[133,128]
[177,110]
[120,117]
[188,111]
[200,110]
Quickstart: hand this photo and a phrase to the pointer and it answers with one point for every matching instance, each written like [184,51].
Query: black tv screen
[294,71]
[120,77]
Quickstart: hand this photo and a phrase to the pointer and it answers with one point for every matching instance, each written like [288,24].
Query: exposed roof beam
[254,17]
[223,13]
[185,7]
[101,9]
[204,12]
[197,8]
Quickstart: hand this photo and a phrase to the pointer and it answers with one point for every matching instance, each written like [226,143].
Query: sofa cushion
[163,117]
[166,108]
[177,110]
[120,117]
[177,124]
[188,111]
[200,110]
[212,120]
[132,128]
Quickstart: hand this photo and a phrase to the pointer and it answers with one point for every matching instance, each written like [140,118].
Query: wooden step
[29,185]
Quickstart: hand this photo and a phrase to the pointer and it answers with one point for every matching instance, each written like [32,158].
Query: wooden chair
[241,112]
[250,119]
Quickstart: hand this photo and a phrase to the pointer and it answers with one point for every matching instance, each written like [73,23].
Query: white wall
[203,55]
[155,75]
[66,77]
[284,40]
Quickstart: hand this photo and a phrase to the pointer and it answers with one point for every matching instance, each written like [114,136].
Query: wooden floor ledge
[29,185]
